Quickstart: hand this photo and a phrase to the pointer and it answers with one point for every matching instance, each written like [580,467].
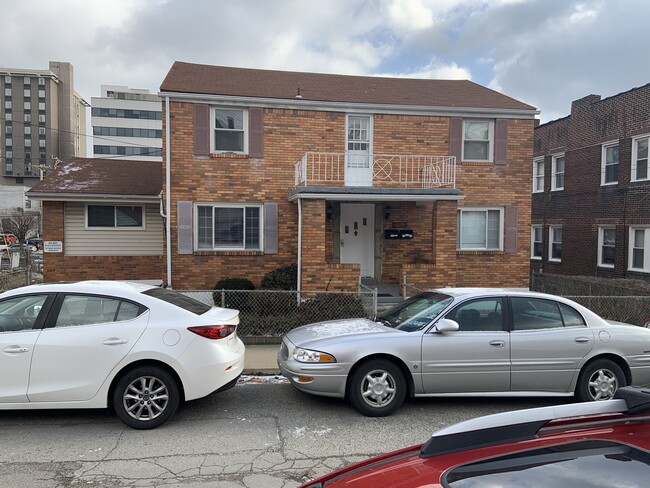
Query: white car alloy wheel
[145,397]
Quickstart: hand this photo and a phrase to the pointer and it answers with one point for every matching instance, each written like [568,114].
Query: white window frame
[533,228]
[538,177]
[555,172]
[213,129]
[486,210]
[601,241]
[115,227]
[490,140]
[551,241]
[635,142]
[603,161]
[645,246]
[243,206]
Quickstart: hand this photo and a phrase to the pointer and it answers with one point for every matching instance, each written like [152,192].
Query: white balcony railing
[383,170]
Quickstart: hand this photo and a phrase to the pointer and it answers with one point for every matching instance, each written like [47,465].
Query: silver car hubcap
[145,398]
[378,388]
[602,384]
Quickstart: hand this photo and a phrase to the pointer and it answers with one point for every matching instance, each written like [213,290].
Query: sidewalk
[261,358]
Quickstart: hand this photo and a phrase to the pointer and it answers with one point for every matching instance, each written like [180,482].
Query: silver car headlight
[309,356]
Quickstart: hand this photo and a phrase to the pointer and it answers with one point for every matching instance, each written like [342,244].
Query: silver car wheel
[603,383]
[145,398]
[378,388]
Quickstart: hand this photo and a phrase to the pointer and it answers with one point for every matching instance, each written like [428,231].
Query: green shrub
[283,278]
[233,299]
[331,306]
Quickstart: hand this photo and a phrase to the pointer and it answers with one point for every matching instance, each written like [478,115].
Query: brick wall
[584,204]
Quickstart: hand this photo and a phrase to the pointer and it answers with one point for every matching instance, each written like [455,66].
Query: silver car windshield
[416,312]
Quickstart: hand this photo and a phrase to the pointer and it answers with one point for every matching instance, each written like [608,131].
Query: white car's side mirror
[446,325]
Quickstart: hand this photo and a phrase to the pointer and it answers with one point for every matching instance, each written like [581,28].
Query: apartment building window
[41,106]
[27,105]
[640,158]
[639,243]
[538,175]
[41,119]
[606,246]
[27,93]
[7,92]
[27,118]
[41,143]
[8,79]
[28,167]
[536,242]
[41,131]
[223,227]
[477,140]
[41,81]
[115,216]
[27,130]
[557,172]
[27,80]
[8,105]
[229,130]
[609,165]
[8,117]
[28,143]
[41,93]
[9,129]
[9,142]
[555,243]
[480,229]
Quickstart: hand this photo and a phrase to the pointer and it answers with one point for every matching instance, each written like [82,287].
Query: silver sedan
[467,341]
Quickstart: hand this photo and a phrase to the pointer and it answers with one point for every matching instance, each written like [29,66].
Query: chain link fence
[270,314]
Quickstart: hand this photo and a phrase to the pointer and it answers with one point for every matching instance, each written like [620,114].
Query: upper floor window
[555,243]
[480,229]
[557,172]
[41,82]
[609,165]
[41,106]
[538,175]
[27,80]
[536,242]
[230,130]
[640,158]
[478,136]
[110,216]
[27,105]
[224,227]
[41,93]
[8,79]
[606,246]
[7,92]
[27,93]
[639,259]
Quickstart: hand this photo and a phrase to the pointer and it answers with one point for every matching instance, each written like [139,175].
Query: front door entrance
[358,158]
[358,236]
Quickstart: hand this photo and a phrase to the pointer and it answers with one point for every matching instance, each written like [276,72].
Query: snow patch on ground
[247,379]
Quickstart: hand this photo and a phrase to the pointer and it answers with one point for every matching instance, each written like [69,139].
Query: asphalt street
[260,434]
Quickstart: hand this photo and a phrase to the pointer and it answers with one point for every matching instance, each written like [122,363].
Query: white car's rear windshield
[178,299]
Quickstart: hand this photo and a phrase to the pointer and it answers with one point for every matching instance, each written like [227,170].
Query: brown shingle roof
[221,80]
[102,177]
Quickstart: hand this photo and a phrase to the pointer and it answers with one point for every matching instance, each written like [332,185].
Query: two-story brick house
[591,189]
[349,177]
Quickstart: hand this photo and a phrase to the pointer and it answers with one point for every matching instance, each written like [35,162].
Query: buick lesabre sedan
[467,341]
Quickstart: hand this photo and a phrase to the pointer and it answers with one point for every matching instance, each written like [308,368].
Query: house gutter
[299,249]
[168,178]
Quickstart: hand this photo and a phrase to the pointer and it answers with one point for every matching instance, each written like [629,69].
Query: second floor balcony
[375,170]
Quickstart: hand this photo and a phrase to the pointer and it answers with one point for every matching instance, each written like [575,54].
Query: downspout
[299,249]
[168,178]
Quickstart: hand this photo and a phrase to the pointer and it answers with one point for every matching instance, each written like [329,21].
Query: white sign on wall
[52,246]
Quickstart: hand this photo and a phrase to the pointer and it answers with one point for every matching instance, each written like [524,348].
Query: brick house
[102,220]
[349,177]
[591,189]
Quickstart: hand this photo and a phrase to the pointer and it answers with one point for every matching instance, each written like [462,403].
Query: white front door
[358,236]
[358,155]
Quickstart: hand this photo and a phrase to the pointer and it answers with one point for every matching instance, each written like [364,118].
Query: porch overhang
[370,194]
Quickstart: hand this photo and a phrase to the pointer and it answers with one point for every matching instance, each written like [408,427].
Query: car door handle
[114,341]
[15,349]
[498,343]
[581,339]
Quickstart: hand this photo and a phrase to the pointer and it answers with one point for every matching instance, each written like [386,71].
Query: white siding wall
[80,241]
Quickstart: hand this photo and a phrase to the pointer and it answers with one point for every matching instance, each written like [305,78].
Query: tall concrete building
[42,120]
[127,124]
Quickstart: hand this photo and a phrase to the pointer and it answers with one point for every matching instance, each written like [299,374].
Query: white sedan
[137,348]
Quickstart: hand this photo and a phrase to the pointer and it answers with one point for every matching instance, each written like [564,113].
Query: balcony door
[358,236]
[358,154]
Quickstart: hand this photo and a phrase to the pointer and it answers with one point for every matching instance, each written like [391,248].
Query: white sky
[543,52]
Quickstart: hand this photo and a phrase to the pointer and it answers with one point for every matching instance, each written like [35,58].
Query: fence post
[223,298]
[374,302]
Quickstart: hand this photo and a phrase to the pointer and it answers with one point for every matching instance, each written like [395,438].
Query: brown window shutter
[456,138]
[501,141]
[271,228]
[201,130]
[184,227]
[511,229]
[255,129]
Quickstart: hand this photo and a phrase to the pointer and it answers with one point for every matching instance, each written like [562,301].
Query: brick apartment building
[591,189]
[349,177]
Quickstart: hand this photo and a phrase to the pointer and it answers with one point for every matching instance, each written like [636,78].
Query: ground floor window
[606,246]
[228,227]
[555,243]
[480,229]
[639,244]
[536,242]
[115,216]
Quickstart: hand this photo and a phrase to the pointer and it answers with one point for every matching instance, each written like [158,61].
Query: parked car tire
[377,388]
[599,381]
[145,397]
